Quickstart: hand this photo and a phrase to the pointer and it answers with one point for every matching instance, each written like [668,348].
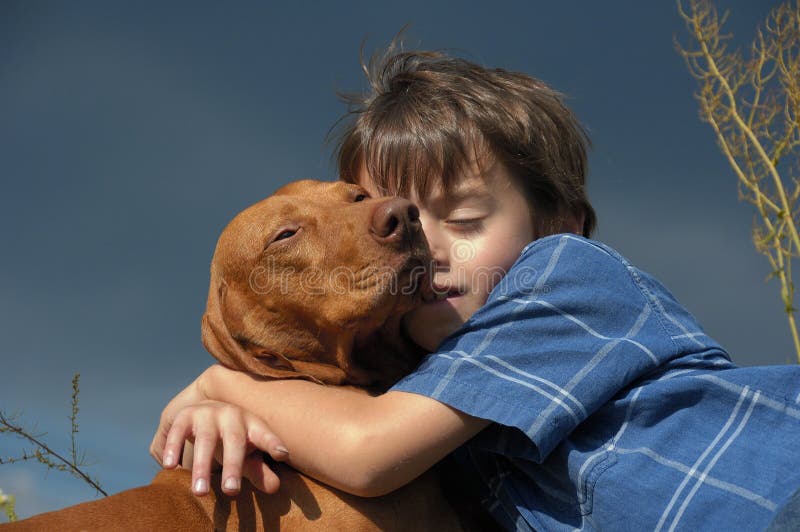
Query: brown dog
[309,283]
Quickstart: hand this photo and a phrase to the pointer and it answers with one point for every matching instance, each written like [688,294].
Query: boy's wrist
[207,382]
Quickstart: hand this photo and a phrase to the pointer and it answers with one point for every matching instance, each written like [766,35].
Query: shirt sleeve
[569,326]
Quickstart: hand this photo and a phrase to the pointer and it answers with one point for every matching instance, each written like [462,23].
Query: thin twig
[42,452]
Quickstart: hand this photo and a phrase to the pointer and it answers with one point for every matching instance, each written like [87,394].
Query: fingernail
[231,484]
[200,485]
[169,459]
[282,449]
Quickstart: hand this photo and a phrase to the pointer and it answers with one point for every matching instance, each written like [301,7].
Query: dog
[310,283]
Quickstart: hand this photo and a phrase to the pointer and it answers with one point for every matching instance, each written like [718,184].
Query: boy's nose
[437,241]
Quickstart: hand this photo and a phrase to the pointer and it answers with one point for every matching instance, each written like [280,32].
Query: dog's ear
[233,352]
[215,335]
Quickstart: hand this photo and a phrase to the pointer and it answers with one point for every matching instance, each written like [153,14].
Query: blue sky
[130,133]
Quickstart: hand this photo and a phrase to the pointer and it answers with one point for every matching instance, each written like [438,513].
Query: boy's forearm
[363,445]
[311,420]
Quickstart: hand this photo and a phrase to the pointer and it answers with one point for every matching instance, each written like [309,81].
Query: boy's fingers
[259,474]
[156,449]
[170,451]
[165,423]
[236,431]
[234,447]
[204,444]
[159,441]
[187,397]
[263,438]
[164,436]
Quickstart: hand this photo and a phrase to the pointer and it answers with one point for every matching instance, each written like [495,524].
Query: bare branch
[753,105]
[42,452]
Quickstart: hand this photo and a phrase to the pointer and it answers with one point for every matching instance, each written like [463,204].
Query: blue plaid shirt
[612,409]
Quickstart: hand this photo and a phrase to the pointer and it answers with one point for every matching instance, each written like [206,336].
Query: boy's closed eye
[466,226]
[469,214]
[465,221]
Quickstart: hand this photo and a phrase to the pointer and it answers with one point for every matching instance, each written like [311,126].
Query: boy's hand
[190,416]
[193,394]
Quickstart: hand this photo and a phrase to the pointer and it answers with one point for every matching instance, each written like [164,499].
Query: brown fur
[293,329]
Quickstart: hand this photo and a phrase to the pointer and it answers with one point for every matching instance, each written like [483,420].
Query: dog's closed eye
[282,234]
[285,234]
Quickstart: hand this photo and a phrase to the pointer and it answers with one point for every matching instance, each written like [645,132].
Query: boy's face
[475,234]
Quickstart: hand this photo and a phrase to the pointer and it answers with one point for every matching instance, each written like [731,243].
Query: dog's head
[302,279]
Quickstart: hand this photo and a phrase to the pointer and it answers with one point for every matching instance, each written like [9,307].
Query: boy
[570,383]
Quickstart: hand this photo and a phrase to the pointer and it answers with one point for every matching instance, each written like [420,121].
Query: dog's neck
[388,354]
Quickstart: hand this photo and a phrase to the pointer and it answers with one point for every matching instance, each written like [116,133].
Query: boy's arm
[364,445]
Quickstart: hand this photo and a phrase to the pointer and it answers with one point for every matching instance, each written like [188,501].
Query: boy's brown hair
[429,114]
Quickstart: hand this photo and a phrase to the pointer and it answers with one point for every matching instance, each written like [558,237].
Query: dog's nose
[395,221]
